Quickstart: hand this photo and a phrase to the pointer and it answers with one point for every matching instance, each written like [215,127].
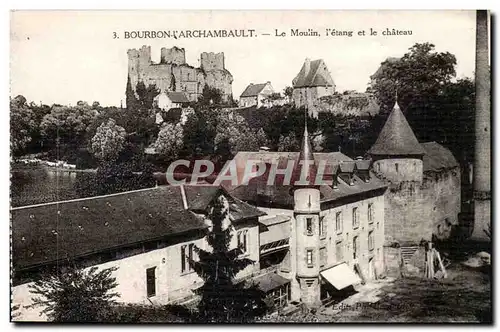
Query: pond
[39,184]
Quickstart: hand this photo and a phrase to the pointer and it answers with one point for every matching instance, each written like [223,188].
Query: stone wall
[397,170]
[355,103]
[415,211]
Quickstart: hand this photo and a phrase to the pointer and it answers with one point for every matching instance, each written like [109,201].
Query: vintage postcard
[250,166]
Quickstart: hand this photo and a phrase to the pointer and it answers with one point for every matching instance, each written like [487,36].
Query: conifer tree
[222,299]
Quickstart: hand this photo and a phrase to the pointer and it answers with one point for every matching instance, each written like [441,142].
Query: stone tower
[482,158]
[306,214]
[397,154]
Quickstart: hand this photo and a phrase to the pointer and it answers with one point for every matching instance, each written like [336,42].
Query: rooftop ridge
[82,199]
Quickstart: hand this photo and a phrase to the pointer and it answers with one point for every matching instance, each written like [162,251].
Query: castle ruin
[174,74]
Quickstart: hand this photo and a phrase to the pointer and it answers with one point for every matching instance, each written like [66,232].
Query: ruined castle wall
[159,75]
[415,211]
[222,80]
[173,55]
[212,61]
[173,74]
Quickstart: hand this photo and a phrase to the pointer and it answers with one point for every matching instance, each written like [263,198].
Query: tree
[235,132]
[199,134]
[67,125]
[210,97]
[289,143]
[222,299]
[108,141]
[22,125]
[76,295]
[169,141]
[288,92]
[418,75]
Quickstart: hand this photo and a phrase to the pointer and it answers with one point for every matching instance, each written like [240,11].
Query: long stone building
[172,73]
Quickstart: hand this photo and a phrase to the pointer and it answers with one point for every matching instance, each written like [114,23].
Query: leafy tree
[234,130]
[67,125]
[108,141]
[169,141]
[288,91]
[22,124]
[199,134]
[210,97]
[418,75]
[76,295]
[222,299]
[289,143]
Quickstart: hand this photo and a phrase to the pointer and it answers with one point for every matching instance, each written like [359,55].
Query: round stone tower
[306,214]
[397,154]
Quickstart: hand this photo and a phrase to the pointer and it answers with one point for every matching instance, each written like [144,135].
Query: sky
[63,57]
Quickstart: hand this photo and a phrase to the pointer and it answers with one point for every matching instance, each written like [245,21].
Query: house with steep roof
[255,94]
[311,83]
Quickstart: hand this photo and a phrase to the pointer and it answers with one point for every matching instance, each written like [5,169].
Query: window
[322,228]
[339,254]
[186,258]
[309,226]
[338,222]
[310,282]
[309,258]
[370,213]
[355,247]
[151,282]
[397,167]
[355,218]
[370,240]
[322,257]
[243,241]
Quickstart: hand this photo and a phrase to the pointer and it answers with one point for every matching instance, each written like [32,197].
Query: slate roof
[313,77]
[258,193]
[280,196]
[437,157]
[177,97]
[49,232]
[397,137]
[253,90]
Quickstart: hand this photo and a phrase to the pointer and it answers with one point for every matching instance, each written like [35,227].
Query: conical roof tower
[397,137]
